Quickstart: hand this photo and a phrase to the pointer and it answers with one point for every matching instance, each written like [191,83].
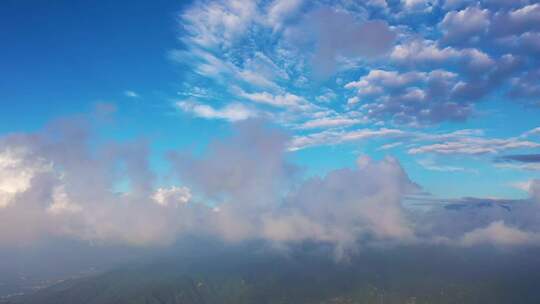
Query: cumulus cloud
[516,21]
[250,167]
[525,88]
[64,188]
[421,53]
[172,195]
[411,97]
[347,207]
[242,188]
[476,73]
[247,187]
[497,233]
[16,172]
[255,197]
[465,25]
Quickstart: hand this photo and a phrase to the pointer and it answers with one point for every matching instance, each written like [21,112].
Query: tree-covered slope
[383,276]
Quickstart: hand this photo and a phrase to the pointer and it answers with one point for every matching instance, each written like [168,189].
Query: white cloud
[497,233]
[131,94]
[429,164]
[532,132]
[60,187]
[351,101]
[527,15]
[331,137]
[219,22]
[427,52]
[346,205]
[517,21]
[331,122]
[390,146]
[519,166]
[71,195]
[526,186]
[341,208]
[416,4]
[465,25]
[281,10]
[410,98]
[377,80]
[474,146]
[172,196]
[230,112]
[327,96]
[286,100]
[17,172]
[255,78]
[61,202]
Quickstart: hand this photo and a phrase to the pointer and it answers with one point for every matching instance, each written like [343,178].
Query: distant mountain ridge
[383,276]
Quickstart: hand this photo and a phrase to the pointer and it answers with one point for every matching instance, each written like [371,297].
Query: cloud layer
[64,182]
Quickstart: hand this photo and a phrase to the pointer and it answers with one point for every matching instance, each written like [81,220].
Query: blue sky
[446,87]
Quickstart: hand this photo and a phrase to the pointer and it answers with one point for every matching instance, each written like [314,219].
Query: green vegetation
[392,276]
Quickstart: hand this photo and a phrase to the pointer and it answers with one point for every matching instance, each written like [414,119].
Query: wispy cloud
[429,164]
[523,158]
[473,144]
[131,94]
[338,137]
[230,112]
[519,166]
[527,162]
